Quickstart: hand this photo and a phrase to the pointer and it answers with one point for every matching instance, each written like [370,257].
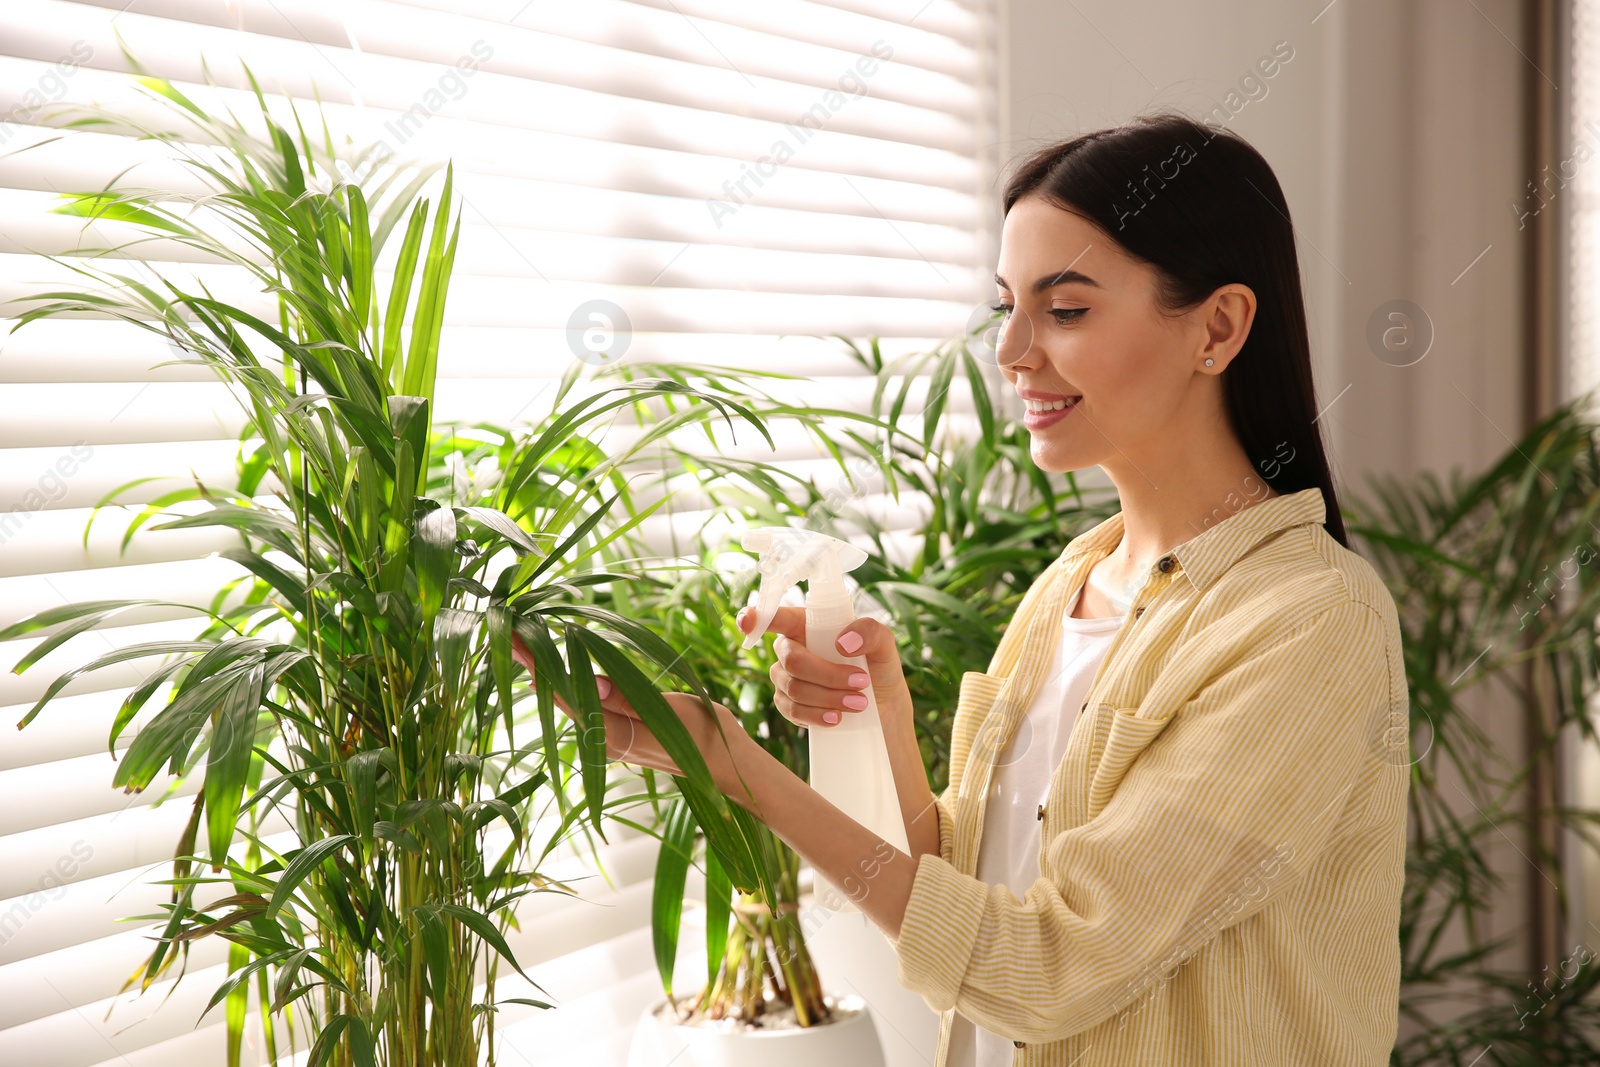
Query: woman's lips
[1038,420]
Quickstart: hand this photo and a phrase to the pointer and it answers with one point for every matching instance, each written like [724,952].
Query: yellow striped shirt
[1223,844]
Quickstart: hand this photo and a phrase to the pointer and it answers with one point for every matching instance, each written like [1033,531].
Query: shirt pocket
[979,691]
[1127,736]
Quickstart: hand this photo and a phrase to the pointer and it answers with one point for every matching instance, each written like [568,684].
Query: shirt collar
[1208,554]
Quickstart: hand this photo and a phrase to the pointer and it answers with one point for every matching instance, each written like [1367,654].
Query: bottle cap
[788,554]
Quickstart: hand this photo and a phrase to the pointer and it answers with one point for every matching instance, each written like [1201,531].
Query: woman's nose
[1014,338]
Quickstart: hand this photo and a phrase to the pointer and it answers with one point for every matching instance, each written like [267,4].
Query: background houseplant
[360,677]
[1495,578]
[680,611]
[992,522]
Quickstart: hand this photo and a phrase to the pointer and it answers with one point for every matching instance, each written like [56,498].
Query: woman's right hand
[810,688]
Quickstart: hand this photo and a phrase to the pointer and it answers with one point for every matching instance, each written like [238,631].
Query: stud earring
[1208,363]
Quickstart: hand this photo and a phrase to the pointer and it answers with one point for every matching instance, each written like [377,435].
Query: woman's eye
[1062,315]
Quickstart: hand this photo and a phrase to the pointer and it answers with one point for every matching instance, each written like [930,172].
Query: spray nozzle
[789,554]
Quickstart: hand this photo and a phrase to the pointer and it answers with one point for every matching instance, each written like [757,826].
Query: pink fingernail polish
[830,717]
[850,642]
[855,700]
[604,685]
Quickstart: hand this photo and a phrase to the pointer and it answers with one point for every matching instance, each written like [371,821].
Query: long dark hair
[1204,209]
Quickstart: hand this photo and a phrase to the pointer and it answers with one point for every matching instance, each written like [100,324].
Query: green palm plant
[995,522]
[1496,581]
[360,675]
[679,614]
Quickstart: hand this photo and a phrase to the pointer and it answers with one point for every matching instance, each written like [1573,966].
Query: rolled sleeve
[939,931]
[1239,791]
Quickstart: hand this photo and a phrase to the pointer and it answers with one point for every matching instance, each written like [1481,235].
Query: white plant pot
[848,1039]
[852,955]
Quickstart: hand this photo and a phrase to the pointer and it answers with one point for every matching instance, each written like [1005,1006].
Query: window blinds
[740,179]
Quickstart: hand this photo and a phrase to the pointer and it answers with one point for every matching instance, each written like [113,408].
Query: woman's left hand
[629,740]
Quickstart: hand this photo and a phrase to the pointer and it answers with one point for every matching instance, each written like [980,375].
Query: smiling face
[1083,322]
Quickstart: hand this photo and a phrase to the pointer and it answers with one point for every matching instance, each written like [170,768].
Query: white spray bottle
[849,760]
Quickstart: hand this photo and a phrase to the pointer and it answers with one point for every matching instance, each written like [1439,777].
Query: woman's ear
[1227,326]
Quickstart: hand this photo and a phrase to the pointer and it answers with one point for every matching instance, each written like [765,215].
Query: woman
[1186,764]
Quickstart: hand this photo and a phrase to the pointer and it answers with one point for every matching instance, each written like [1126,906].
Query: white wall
[1394,130]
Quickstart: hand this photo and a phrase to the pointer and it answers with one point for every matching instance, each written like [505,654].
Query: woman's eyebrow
[1050,281]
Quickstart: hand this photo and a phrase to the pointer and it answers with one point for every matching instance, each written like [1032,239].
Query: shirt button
[1019,1044]
[1137,612]
[1165,564]
[1041,811]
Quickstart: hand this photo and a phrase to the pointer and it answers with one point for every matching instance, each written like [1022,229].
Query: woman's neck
[1153,525]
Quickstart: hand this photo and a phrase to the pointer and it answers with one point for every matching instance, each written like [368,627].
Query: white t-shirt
[1008,852]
